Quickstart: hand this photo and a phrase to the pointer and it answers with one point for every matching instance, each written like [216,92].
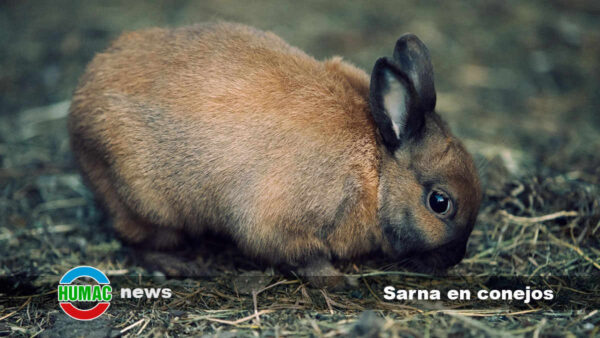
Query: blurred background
[518,81]
[518,74]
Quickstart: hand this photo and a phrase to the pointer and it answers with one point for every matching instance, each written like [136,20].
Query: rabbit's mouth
[407,244]
[438,260]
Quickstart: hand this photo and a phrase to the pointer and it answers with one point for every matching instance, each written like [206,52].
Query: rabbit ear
[412,56]
[393,103]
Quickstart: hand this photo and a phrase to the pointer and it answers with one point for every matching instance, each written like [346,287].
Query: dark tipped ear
[392,98]
[412,56]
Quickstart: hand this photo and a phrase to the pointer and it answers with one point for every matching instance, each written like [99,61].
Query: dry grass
[545,230]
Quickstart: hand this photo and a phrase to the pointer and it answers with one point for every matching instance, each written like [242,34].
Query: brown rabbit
[227,128]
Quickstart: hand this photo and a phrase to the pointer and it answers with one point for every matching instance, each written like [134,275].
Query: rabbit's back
[228,127]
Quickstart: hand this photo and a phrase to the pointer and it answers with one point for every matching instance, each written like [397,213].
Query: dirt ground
[517,81]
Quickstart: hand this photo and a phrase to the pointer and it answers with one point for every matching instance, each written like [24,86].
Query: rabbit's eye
[439,202]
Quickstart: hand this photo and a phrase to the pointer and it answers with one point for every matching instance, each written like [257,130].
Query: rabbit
[227,128]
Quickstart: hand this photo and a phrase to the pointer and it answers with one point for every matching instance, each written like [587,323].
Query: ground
[517,81]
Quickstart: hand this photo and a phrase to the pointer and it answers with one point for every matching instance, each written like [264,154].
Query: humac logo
[69,292]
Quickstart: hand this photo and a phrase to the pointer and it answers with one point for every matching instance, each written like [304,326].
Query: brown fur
[227,128]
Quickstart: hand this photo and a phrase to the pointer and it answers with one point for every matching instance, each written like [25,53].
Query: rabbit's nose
[440,258]
[451,253]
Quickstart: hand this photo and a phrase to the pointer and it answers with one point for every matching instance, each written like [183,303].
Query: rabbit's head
[429,188]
